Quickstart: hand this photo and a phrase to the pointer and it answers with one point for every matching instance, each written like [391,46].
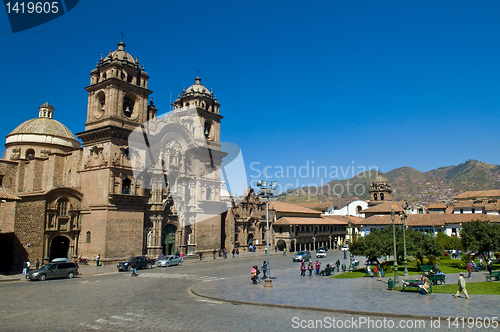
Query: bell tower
[118,92]
[205,102]
[113,200]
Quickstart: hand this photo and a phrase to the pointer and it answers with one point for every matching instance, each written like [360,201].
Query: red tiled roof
[431,219]
[385,207]
[315,205]
[290,208]
[309,221]
[6,196]
[480,193]
[437,206]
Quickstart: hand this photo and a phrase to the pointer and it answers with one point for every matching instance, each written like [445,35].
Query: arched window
[209,194]
[126,186]
[381,196]
[88,237]
[62,207]
[358,209]
[30,154]
[206,129]
[374,197]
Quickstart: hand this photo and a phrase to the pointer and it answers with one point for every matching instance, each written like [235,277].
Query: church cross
[121,33]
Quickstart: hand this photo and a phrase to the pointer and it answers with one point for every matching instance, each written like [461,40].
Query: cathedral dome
[380,179]
[120,54]
[197,88]
[43,129]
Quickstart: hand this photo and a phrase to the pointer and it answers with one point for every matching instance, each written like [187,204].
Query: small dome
[120,54]
[224,193]
[197,87]
[380,178]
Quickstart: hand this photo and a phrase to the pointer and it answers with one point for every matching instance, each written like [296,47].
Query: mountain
[434,186]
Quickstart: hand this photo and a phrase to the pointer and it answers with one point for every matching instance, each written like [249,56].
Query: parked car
[169,260]
[324,248]
[302,256]
[141,262]
[320,254]
[345,248]
[54,270]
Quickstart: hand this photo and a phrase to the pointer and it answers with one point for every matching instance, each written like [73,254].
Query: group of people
[254,273]
[223,252]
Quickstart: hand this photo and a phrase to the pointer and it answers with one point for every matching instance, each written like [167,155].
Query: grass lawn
[473,288]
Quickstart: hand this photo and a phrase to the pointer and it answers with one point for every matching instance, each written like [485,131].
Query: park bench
[416,282]
[355,265]
[327,271]
[426,268]
[493,275]
[437,277]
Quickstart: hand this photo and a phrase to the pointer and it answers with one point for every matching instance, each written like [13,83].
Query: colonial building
[61,198]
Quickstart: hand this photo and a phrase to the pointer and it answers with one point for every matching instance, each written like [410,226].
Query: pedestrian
[302,269]
[98,260]
[254,248]
[225,253]
[264,269]
[345,254]
[134,270]
[182,257]
[233,252]
[253,275]
[275,249]
[220,252]
[201,255]
[237,252]
[489,265]
[310,268]
[37,263]
[257,273]
[318,267]
[215,251]
[338,265]
[28,265]
[284,251]
[469,268]
[461,286]
[25,268]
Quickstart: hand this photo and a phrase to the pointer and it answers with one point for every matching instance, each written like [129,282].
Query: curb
[340,311]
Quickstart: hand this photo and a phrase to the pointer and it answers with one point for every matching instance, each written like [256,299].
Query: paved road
[159,300]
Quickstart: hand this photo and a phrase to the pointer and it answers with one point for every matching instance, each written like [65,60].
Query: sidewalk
[352,296]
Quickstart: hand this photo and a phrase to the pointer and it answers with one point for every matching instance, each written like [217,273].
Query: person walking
[220,252]
[134,270]
[215,251]
[318,267]
[257,273]
[37,265]
[225,253]
[469,268]
[303,269]
[182,258]
[233,252]
[345,254]
[310,268]
[264,269]
[25,268]
[284,251]
[489,265]
[275,249]
[237,252]
[253,275]
[98,260]
[201,255]
[461,286]
[337,263]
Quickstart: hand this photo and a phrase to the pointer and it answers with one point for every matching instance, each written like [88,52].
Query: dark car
[54,270]
[141,262]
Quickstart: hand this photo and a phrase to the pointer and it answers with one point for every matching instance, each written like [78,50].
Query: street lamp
[396,280]
[403,217]
[266,191]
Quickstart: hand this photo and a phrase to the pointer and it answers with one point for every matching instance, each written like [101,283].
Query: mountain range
[435,186]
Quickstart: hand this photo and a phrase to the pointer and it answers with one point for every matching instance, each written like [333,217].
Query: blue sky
[334,83]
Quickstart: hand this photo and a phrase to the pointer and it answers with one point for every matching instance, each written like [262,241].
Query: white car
[320,254]
[345,248]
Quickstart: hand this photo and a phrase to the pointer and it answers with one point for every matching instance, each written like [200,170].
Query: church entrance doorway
[250,242]
[59,248]
[169,240]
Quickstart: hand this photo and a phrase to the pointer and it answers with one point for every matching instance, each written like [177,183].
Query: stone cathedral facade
[70,199]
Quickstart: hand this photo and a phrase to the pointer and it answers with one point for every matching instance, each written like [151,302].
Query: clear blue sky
[337,83]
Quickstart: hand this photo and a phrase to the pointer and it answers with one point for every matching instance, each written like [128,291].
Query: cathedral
[79,195]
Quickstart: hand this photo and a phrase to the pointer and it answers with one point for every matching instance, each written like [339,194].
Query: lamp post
[350,241]
[396,280]
[266,191]
[403,217]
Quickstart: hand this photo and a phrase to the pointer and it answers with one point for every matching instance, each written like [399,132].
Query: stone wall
[29,228]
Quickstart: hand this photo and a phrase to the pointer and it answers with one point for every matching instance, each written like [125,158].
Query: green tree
[449,243]
[478,236]
[373,246]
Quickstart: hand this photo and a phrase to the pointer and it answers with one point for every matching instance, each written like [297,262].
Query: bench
[327,271]
[437,277]
[426,268]
[493,275]
[417,287]
[355,265]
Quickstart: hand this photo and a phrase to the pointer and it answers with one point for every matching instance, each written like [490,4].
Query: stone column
[46,248]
